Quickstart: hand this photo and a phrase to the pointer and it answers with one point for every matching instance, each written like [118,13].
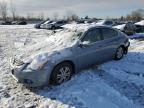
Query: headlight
[42,65]
[37,65]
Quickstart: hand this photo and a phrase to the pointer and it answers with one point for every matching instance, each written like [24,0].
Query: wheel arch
[64,61]
[124,48]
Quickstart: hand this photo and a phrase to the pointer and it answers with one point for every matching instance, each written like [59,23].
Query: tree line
[136,15]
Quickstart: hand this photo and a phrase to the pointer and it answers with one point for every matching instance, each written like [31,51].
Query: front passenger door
[90,54]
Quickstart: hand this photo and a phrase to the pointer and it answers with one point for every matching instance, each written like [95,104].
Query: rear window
[109,33]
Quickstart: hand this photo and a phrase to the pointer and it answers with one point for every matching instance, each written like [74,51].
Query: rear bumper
[127,44]
[126,47]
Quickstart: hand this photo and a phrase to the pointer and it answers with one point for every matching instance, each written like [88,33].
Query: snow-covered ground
[115,84]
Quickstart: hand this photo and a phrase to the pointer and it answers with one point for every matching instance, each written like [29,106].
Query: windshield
[66,37]
[47,22]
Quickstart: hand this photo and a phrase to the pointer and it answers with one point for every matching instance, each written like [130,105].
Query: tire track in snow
[129,89]
[12,94]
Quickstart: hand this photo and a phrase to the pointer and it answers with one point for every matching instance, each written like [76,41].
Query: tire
[61,73]
[119,53]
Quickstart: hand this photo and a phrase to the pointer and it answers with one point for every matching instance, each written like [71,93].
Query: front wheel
[119,53]
[61,73]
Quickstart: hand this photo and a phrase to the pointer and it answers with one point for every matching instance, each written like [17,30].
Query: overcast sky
[92,8]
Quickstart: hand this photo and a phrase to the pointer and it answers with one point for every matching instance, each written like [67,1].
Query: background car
[22,23]
[80,22]
[19,23]
[45,24]
[39,24]
[128,28]
[140,23]
[109,23]
[74,49]
[139,26]
[6,23]
[56,24]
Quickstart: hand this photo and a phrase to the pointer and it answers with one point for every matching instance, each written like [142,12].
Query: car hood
[45,49]
[52,23]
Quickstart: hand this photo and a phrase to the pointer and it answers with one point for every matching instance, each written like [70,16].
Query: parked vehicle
[67,52]
[56,24]
[128,28]
[109,23]
[80,22]
[139,26]
[45,24]
[6,23]
[22,23]
[140,23]
[39,24]
[14,22]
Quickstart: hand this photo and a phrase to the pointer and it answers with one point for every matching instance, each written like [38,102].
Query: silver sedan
[67,52]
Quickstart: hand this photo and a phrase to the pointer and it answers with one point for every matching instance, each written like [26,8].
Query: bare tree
[55,16]
[137,15]
[41,16]
[128,17]
[71,15]
[3,10]
[13,10]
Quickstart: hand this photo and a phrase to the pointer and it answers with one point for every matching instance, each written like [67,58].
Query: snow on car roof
[140,23]
[82,27]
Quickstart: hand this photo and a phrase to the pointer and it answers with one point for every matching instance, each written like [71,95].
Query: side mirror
[84,44]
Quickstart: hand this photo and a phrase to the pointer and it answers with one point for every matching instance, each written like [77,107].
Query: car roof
[83,27]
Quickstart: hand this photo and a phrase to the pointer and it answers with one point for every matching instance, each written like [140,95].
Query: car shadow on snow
[71,93]
[126,76]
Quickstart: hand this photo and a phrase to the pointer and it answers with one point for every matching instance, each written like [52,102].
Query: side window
[109,33]
[92,36]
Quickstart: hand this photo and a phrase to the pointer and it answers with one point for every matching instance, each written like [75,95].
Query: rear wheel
[61,73]
[119,53]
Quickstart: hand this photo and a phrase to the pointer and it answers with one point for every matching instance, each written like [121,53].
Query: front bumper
[31,78]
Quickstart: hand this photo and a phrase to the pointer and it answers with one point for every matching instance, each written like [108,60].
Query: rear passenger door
[110,42]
